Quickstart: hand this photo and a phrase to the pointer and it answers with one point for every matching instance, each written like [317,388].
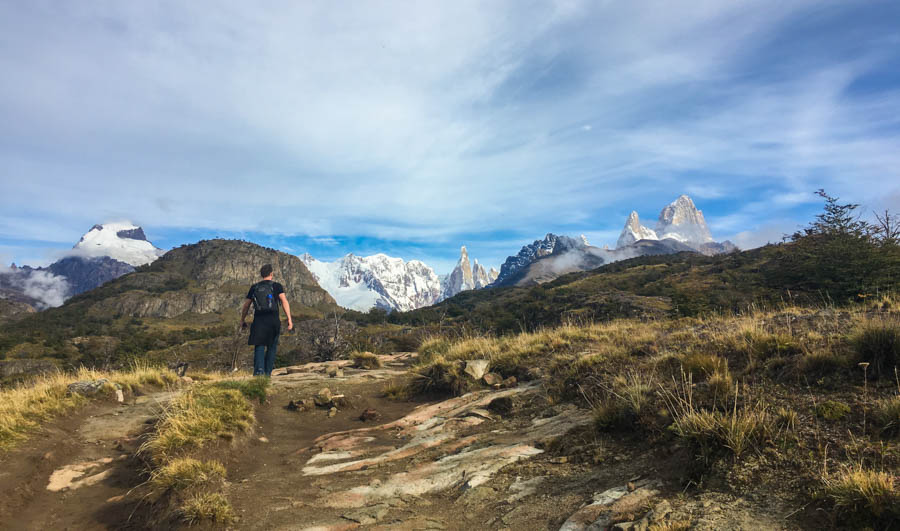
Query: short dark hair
[265,270]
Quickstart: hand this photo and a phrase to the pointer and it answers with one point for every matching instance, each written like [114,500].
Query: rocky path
[75,473]
[435,465]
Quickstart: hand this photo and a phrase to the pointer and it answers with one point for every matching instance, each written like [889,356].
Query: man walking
[265,296]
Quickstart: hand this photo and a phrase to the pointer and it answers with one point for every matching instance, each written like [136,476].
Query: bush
[211,507]
[887,415]
[701,365]
[864,496]
[832,410]
[440,376]
[252,388]
[878,344]
[186,473]
[433,347]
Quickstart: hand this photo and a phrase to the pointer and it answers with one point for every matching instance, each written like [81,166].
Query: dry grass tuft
[887,415]
[207,507]
[24,407]
[365,360]
[200,415]
[878,344]
[186,473]
[864,494]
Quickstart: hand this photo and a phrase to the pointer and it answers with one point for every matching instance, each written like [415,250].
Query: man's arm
[287,310]
[244,311]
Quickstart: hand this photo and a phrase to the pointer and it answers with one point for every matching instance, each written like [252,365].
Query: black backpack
[264,298]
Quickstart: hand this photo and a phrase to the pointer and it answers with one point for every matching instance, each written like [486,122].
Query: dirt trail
[419,466]
[74,473]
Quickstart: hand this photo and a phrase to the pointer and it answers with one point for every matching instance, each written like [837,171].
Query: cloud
[437,121]
[49,289]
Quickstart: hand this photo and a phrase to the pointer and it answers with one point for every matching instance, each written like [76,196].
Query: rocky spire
[460,278]
[634,231]
[480,275]
[682,221]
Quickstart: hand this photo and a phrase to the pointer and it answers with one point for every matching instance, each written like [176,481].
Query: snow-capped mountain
[465,277]
[364,282]
[634,231]
[551,244]
[679,221]
[121,241]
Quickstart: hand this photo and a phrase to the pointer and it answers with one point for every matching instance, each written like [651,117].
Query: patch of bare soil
[74,473]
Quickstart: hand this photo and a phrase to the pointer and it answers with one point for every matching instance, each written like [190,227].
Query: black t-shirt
[277,289]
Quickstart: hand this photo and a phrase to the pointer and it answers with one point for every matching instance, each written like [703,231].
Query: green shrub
[832,410]
[878,344]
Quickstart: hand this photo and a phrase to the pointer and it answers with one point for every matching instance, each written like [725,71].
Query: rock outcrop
[205,277]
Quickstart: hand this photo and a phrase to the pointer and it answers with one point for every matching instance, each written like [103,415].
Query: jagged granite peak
[364,282]
[122,241]
[460,279]
[480,275]
[551,244]
[634,231]
[682,221]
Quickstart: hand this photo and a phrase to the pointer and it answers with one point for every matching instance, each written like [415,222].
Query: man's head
[265,271]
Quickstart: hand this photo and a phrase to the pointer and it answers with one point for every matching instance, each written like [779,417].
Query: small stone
[369,414]
[120,397]
[292,406]
[263,439]
[559,460]
[630,486]
[492,379]
[186,379]
[477,368]
[332,412]
[510,382]
[323,397]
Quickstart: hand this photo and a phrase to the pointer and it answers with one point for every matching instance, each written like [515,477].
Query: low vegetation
[184,484]
[736,392]
[27,406]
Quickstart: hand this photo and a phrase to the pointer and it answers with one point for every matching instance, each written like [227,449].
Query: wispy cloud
[435,123]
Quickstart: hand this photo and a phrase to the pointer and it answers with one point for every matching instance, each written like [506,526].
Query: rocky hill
[205,277]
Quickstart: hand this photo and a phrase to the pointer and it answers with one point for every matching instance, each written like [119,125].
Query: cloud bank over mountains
[439,123]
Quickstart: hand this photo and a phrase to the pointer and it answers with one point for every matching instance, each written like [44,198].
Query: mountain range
[380,281]
[111,250]
[681,228]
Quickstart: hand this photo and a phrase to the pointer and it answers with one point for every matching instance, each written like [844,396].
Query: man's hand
[243,325]
[290,325]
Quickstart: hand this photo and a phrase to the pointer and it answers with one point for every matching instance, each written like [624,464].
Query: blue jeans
[264,358]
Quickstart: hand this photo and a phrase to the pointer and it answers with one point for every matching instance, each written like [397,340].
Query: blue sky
[414,128]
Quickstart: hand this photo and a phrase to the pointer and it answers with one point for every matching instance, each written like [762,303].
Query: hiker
[265,297]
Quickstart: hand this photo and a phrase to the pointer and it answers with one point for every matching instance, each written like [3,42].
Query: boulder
[477,368]
[502,406]
[510,382]
[87,387]
[492,379]
[323,397]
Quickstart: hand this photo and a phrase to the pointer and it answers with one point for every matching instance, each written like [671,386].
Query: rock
[492,379]
[87,388]
[335,372]
[369,414]
[323,397]
[186,379]
[476,496]
[510,382]
[559,460]
[120,397]
[502,406]
[332,412]
[368,515]
[263,439]
[292,406]
[477,368]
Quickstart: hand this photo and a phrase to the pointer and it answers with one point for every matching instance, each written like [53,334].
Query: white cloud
[422,121]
